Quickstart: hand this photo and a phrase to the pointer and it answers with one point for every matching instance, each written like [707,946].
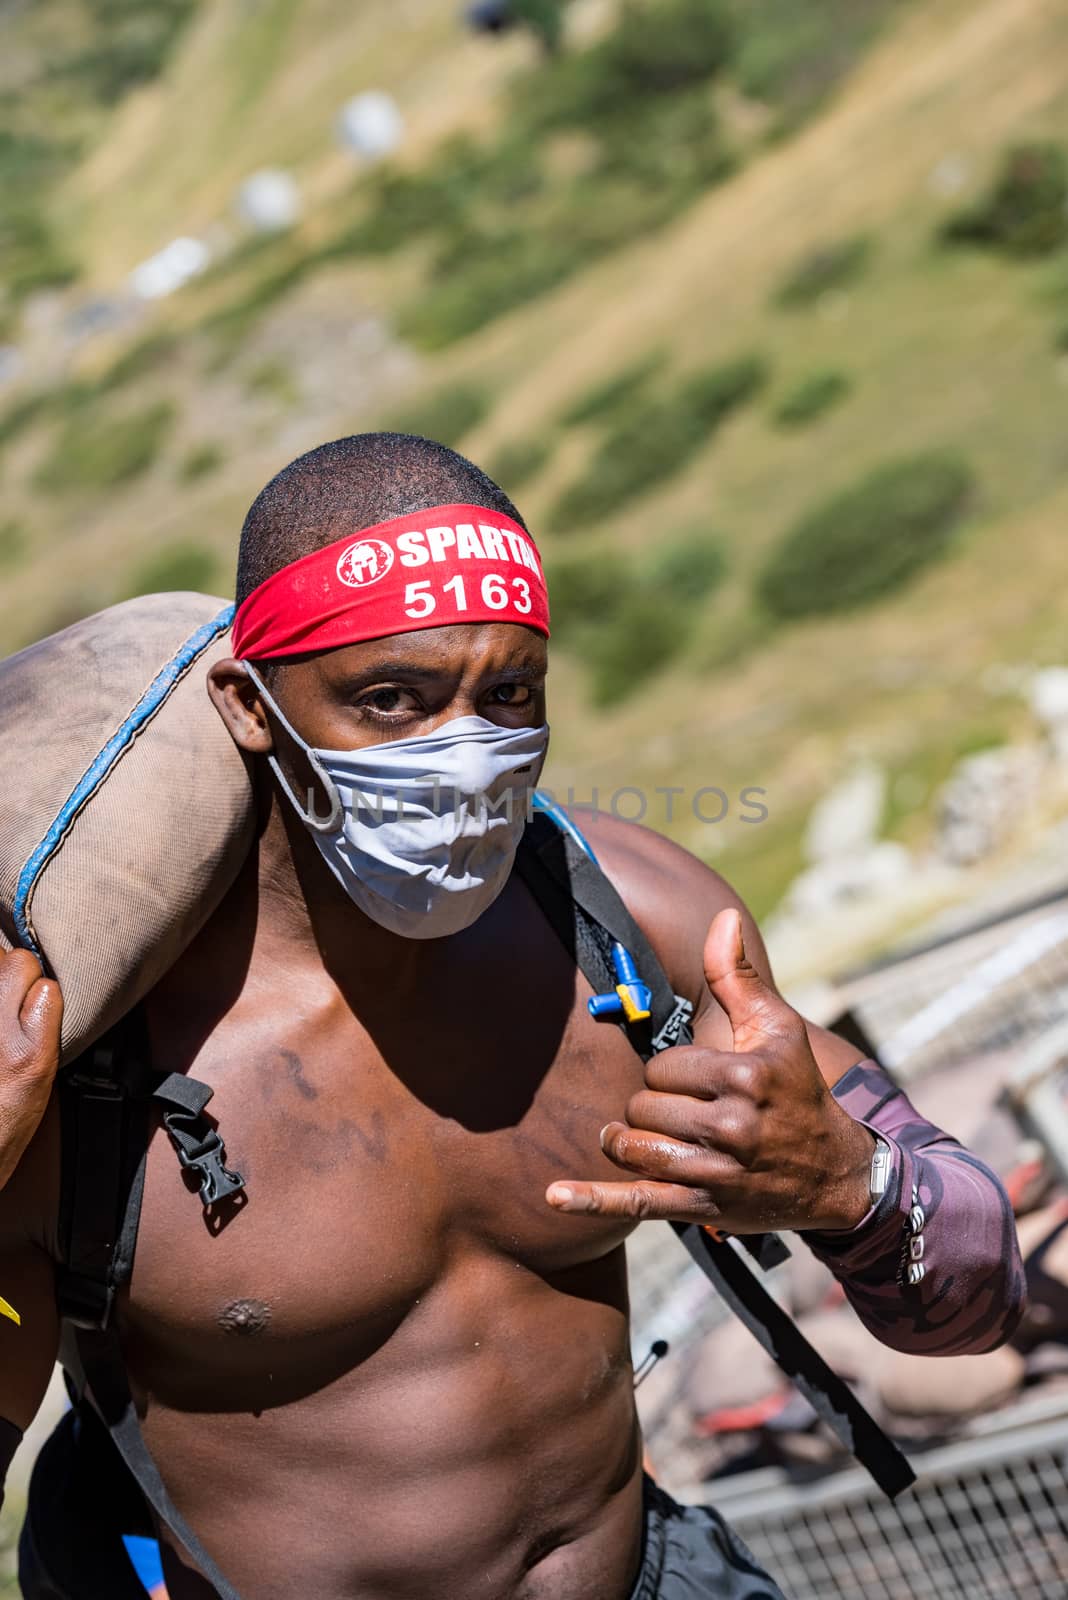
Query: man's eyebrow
[403,671]
[524,671]
[393,670]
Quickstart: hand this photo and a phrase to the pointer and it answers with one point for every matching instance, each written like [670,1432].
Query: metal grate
[988,1520]
[981,992]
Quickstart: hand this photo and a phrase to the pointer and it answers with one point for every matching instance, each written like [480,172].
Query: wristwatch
[882,1163]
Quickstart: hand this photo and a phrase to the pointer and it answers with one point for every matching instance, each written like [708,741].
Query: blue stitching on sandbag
[101,765]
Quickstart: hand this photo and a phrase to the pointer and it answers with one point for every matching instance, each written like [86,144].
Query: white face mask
[422,833]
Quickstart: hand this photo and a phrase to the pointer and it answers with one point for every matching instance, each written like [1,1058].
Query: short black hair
[351,484]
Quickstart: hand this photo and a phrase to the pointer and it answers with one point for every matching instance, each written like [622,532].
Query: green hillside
[683,288]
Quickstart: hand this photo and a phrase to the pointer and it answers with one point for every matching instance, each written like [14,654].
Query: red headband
[449,564]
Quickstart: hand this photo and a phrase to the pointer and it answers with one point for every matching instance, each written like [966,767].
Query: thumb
[754,1009]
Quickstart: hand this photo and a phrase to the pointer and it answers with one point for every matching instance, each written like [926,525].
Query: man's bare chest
[380,1158]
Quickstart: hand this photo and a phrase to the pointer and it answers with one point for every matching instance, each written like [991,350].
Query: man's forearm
[935,1269]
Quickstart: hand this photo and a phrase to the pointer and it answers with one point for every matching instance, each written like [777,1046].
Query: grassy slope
[947,350]
[257,87]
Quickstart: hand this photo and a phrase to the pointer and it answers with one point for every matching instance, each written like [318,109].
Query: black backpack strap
[589,917]
[556,864]
[107,1098]
[102,1361]
[775,1330]
[104,1122]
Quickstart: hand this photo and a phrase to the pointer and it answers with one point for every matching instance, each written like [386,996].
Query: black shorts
[689,1553]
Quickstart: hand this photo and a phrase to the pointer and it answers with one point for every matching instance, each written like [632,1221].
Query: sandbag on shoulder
[125,807]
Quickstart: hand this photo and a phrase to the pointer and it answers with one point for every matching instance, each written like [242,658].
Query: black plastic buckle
[207,1160]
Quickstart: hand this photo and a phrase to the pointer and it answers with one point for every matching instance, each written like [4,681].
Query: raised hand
[746,1140]
[31,1011]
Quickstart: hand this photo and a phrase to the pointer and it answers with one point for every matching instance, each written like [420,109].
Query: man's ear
[237,700]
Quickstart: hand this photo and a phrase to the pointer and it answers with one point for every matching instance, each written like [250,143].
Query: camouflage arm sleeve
[935,1267]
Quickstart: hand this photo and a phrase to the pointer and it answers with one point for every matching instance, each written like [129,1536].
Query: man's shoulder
[671,894]
[652,867]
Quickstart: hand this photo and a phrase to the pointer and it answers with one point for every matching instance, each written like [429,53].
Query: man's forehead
[454,649]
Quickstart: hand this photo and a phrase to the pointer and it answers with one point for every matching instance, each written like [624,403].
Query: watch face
[880,1170]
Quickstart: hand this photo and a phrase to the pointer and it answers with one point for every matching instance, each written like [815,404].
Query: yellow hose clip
[632,995]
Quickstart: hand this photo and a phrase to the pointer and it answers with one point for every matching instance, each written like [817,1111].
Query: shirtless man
[402,1370]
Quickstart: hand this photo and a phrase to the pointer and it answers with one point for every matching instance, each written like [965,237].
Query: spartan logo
[365,562]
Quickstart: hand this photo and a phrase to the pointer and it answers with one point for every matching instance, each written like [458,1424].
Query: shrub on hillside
[653,443]
[131,44]
[23,415]
[655,439]
[144,356]
[684,572]
[273,379]
[868,540]
[626,621]
[34,256]
[657,48]
[181,566]
[832,266]
[464,175]
[445,415]
[1026,210]
[99,452]
[544,18]
[675,146]
[13,543]
[614,393]
[641,637]
[661,47]
[712,393]
[583,590]
[792,53]
[811,396]
[493,273]
[516,463]
[199,462]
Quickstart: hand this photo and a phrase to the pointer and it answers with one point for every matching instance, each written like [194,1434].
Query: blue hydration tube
[631,996]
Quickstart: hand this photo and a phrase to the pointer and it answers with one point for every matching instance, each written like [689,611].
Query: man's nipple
[245,1317]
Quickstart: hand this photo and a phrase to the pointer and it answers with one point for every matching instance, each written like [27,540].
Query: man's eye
[511,694]
[384,701]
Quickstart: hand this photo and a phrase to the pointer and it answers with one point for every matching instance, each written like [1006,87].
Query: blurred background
[759,311]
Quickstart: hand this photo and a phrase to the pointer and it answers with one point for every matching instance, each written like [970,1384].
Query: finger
[19,971]
[653,1155]
[42,1019]
[754,1010]
[681,1116]
[636,1201]
[690,1069]
[730,1125]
